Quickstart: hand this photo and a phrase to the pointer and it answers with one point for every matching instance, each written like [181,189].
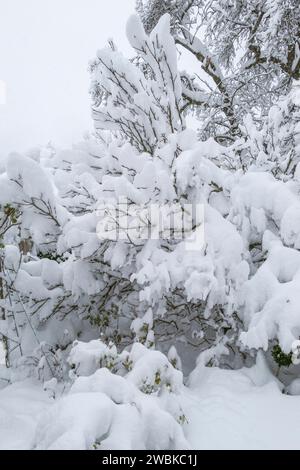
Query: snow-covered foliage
[126,317]
[116,401]
[145,107]
[273,144]
[248,52]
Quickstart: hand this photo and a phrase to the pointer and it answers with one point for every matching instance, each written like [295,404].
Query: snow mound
[103,410]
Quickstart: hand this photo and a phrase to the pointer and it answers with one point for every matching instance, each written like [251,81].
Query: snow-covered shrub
[267,213]
[35,301]
[120,409]
[192,294]
[235,291]
[150,371]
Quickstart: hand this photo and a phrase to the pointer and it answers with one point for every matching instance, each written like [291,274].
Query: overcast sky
[45,47]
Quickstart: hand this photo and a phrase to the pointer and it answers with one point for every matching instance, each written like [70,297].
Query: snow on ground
[20,408]
[225,410]
[228,411]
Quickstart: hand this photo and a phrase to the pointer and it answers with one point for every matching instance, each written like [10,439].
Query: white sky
[45,47]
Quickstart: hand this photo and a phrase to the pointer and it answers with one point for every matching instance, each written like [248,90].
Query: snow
[2,354]
[223,409]
[20,407]
[113,326]
[228,411]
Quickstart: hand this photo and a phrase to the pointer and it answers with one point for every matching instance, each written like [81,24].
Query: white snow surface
[224,410]
[20,407]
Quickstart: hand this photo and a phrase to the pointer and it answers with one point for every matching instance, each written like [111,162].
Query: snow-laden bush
[60,277]
[234,292]
[132,403]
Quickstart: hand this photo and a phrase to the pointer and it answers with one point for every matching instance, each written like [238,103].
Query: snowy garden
[136,335]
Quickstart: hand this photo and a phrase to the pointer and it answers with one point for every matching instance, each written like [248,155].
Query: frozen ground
[225,410]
